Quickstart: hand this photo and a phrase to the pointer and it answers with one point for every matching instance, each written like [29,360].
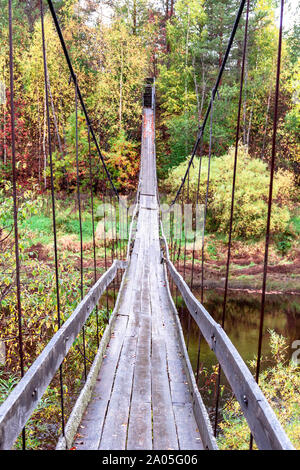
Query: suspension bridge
[141,391]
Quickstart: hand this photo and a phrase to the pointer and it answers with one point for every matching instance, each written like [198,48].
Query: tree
[118,96]
[123,162]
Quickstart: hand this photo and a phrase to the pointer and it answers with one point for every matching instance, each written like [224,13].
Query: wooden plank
[187,429]
[200,412]
[199,409]
[114,433]
[92,424]
[115,426]
[22,401]
[265,427]
[164,427]
[182,398]
[140,420]
[116,420]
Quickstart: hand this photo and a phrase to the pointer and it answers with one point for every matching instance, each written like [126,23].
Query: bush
[251,193]
[280,385]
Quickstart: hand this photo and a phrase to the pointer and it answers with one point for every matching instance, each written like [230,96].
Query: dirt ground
[246,269]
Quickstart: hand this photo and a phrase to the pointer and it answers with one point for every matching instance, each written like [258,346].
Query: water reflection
[282,314]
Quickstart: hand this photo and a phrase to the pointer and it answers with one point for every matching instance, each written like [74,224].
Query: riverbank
[246,267]
[245,271]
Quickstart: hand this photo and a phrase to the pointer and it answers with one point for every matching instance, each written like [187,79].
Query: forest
[115,45]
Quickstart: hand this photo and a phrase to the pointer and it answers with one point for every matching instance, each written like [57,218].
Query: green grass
[239,266]
[70,225]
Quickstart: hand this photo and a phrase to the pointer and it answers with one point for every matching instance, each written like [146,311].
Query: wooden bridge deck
[142,398]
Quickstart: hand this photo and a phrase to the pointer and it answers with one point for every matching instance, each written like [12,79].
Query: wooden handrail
[22,401]
[264,425]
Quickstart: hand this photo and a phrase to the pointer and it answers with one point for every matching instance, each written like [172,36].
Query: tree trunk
[203,87]
[121,90]
[196,87]
[245,103]
[250,121]
[40,140]
[134,16]
[172,8]
[54,115]
[185,84]
[4,120]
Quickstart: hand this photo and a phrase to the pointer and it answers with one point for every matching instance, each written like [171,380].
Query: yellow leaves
[121,81]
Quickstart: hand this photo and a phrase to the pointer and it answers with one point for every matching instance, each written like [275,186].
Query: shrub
[280,385]
[251,193]
[123,162]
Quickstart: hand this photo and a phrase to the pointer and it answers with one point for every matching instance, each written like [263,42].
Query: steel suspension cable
[80,220]
[197,202]
[15,204]
[105,250]
[272,169]
[193,259]
[53,205]
[206,199]
[73,76]
[214,92]
[112,234]
[270,196]
[93,230]
[204,224]
[237,136]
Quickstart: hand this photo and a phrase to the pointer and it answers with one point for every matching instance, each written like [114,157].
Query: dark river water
[282,314]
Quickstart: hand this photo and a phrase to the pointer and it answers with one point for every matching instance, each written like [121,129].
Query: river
[282,314]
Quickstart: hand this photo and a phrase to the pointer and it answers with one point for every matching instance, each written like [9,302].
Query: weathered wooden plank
[187,429]
[200,412]
[20,404]
[140,421]
[181,390]
[164,428]
[114,433]
[264,425]
[116,421]
[91,428]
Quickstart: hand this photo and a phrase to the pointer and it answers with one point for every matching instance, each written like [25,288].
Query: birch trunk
[266,122]
[196,88]
[185,84]
[44,144]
